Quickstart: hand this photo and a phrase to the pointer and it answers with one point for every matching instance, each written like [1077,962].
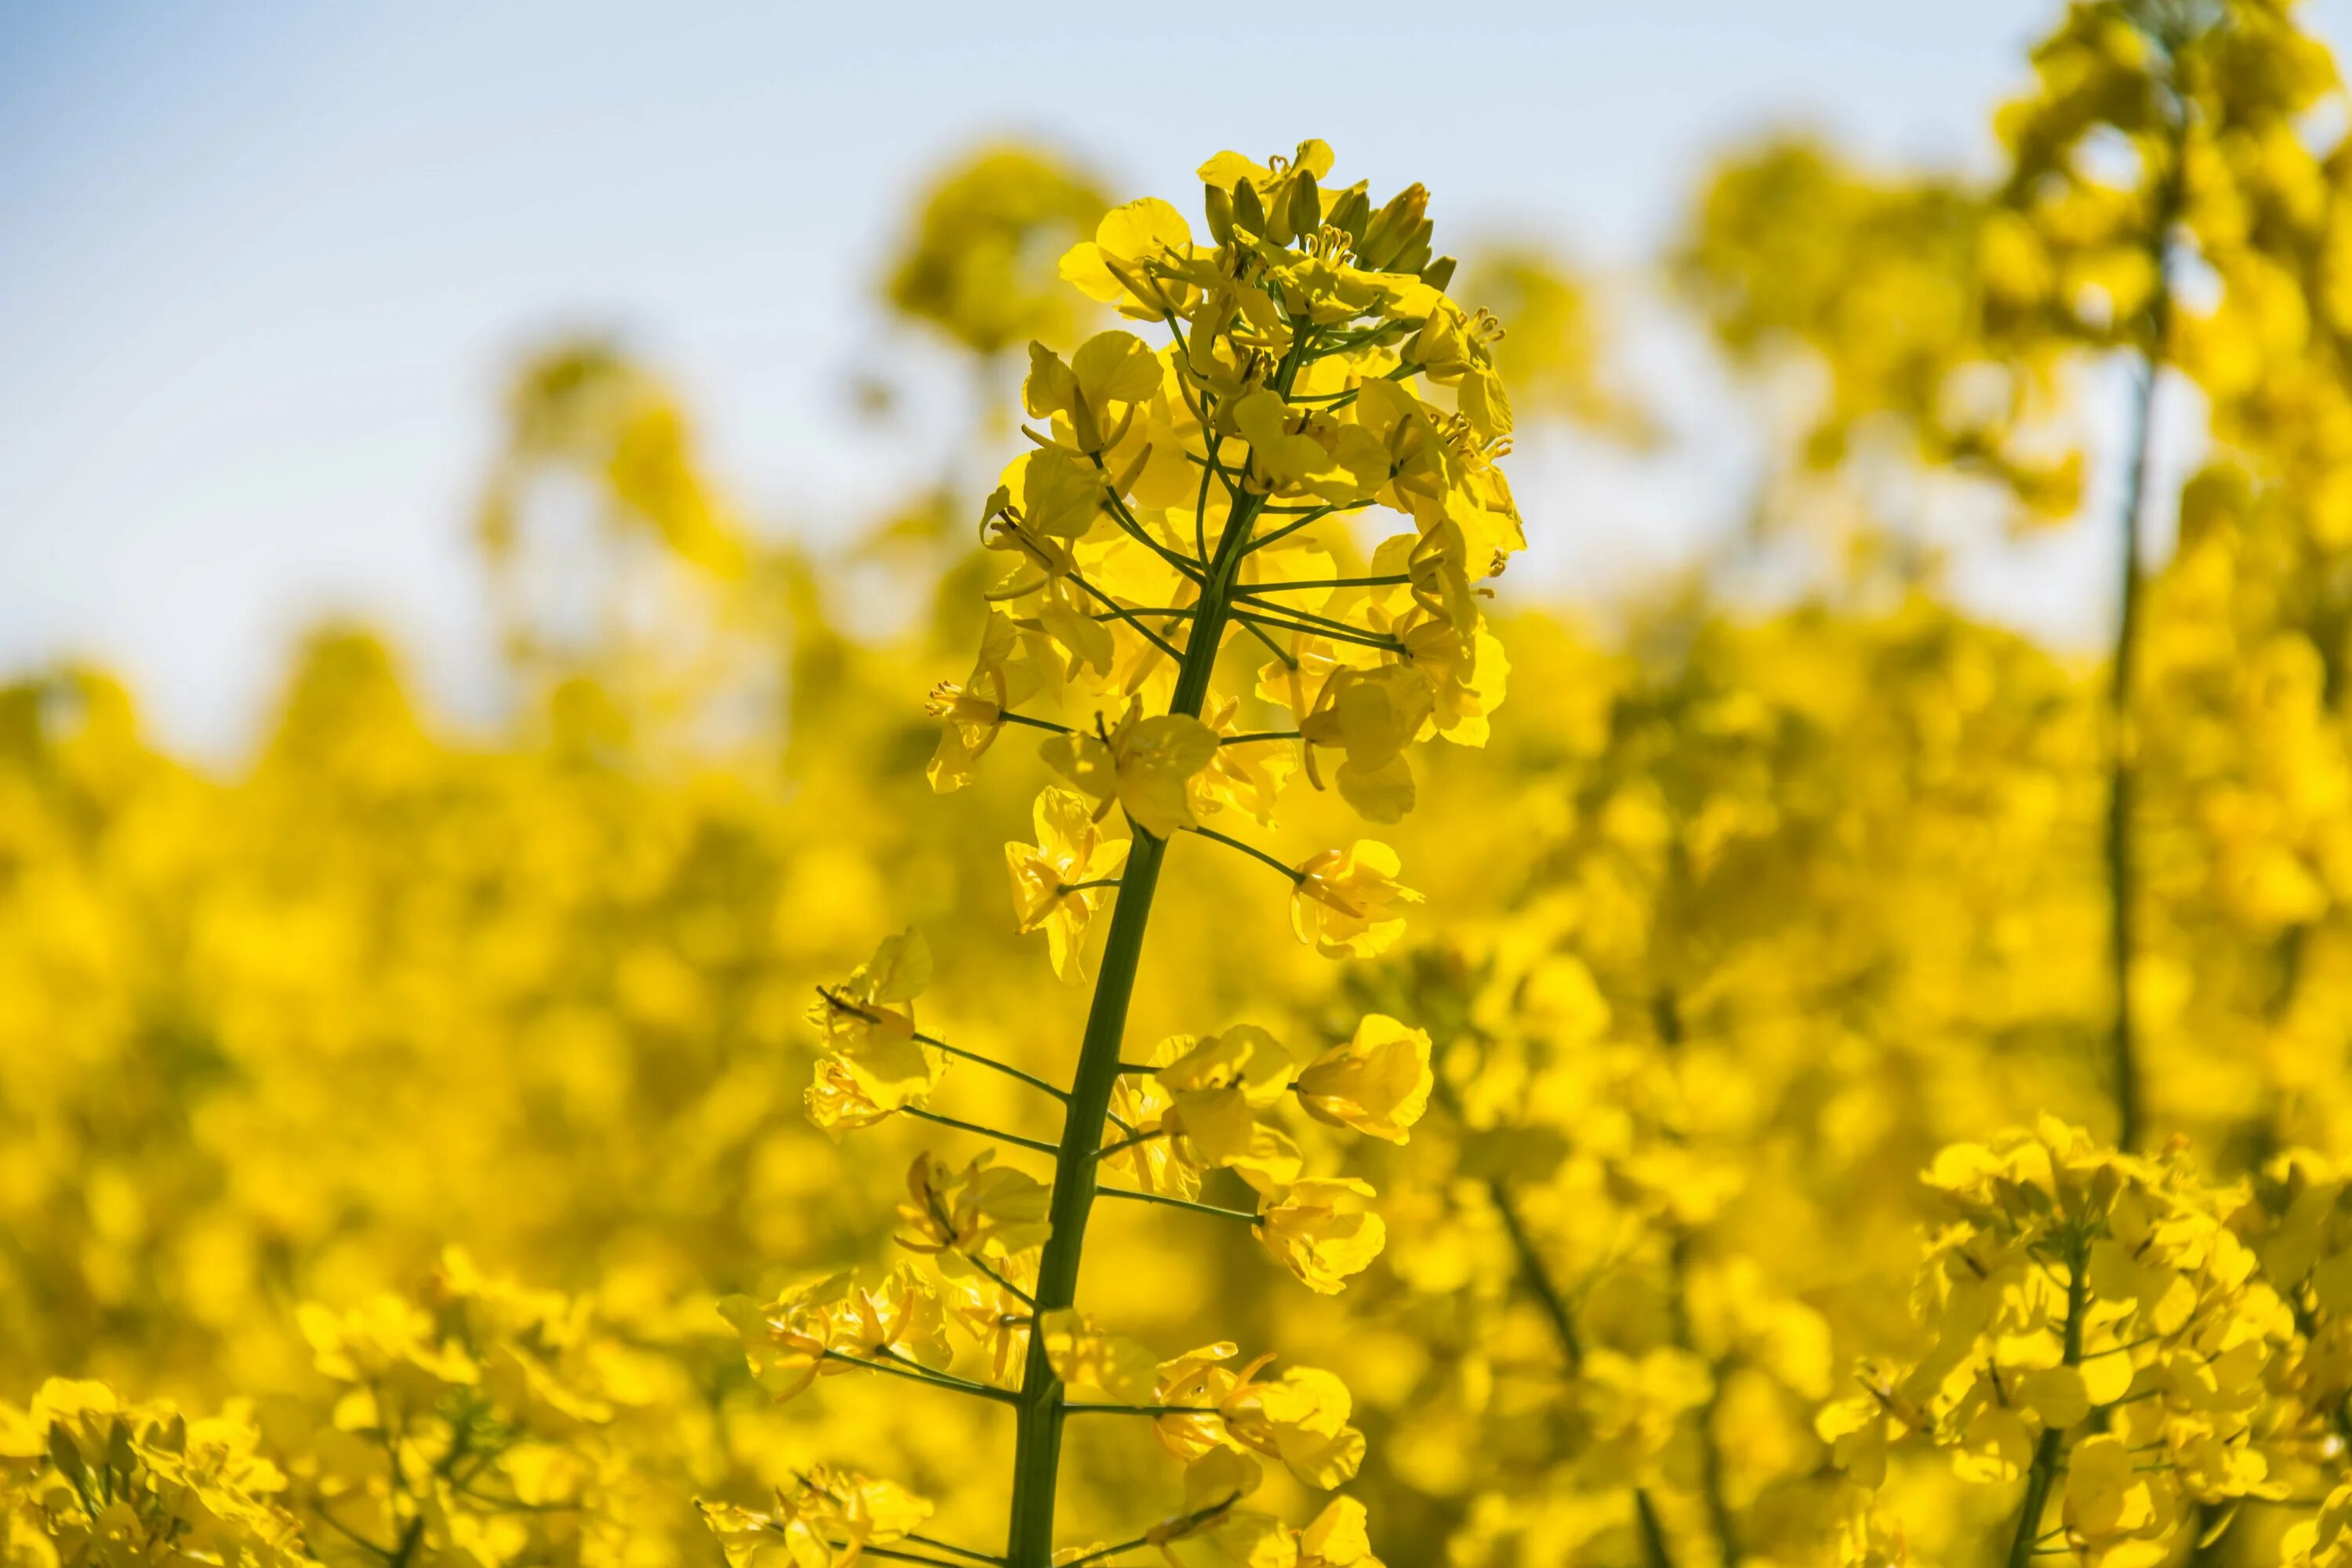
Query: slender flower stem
[1250,606]
[914,1373]
[1107,1150]
[1201,1516]
[1155,1411]
[1124,614]
[1261,735]
[1126,520]
[1011,718]
[951,1546]
[1007,1286]
[1272,647]
[1654,1551]
[870,1550]
[1082,887]
[1391,581]
[1032,1079]
[1292,873]
[2123,869]
[1287,622]
[1536,1274]
[1317,515]
[2044,1471]
[1710,1448]
[962,1126]
[1177,1202]
[1037,1436]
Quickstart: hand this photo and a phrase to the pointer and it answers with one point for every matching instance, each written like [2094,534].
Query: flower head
[1378,1083]
[1057,880]
[1345,900]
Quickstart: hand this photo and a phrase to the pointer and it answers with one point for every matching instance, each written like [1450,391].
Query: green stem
[1011,718]
[1393,580]
[1710,1450]
[1032,1079]
[2045,1472]
[951,1546]
[1037,1436]
[2123,869]
[914,1372]
[1039,1144]
[1655,1552]
[1250,850]
[1177,1202]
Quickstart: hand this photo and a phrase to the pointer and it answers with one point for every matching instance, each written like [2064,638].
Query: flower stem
[2038,1481]
[961,1125]
[1144,1197]
[1250,850]
[1032,1079]
[2122,871]
[1037,1437]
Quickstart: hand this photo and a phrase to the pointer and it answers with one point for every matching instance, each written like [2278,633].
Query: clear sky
[262,266]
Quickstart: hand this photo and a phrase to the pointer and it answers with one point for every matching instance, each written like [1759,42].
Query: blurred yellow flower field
[1228,1032]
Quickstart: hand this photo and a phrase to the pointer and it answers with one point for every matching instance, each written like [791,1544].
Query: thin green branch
[1392,580]
[1170,1531]
[1143,1197]
[962,1126]
[1292,873]
[1032,1079]
[1362,638]
[1272,647]
[1124,614]
[951,1546]
[914,1373]
[1009,717]
[1107,1150]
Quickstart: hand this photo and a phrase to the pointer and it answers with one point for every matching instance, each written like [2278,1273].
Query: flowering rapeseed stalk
[1180,500]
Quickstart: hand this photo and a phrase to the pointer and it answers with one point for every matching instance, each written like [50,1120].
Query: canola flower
[1576,1211]
[1178,502]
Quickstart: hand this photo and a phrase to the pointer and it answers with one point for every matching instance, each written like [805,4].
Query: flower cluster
[2098,1332]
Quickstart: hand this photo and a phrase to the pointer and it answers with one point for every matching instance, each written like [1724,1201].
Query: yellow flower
[1301,1419]
[1054,879]
[827,1520]
[807,1334]
[876,1066]
[1335,1538]
[837,1103]
[1371,715]
[1345,900]
[1084,1356]
[974,710]
[1376,1083]
[1126,262]
[982,1210]
[985,1306]
[1110,369]
[1319,1231]
[1249,776]
[1145,765]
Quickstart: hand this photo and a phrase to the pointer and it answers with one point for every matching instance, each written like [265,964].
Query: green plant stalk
[2044,1471]
[1534,1274]
[1710,1450]
[2123,866]
[1038,1445]
[1037,1436]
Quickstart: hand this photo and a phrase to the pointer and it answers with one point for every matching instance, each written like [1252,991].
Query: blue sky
[263,266]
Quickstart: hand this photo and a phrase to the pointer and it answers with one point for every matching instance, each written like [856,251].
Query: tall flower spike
[1174,498]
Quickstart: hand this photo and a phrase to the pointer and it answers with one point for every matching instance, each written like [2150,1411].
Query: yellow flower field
[1212,1028]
